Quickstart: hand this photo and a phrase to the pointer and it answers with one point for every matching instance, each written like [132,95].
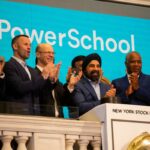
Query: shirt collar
[128,75]
[39,67]
[23,63]
[94,83]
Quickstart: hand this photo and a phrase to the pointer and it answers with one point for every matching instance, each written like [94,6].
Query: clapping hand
[2,63]
[74,79]
[111,92]
[134,83]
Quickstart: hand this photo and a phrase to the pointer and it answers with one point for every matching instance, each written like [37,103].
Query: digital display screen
[74,32]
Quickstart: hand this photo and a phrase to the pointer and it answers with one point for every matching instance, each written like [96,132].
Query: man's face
[134,63]
[46,55]
[93,71]
[78,64]
[22,48]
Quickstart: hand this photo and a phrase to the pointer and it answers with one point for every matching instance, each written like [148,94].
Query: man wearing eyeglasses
[50,99]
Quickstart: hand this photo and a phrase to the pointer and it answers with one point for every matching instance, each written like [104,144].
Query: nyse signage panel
[73,33]
[121,124]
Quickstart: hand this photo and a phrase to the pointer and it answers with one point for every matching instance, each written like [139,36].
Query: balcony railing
[21,132]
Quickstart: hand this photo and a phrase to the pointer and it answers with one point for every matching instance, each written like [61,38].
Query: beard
[93,75]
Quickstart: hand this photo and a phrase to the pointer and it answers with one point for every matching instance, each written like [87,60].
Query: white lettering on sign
[72,37]
[130,111]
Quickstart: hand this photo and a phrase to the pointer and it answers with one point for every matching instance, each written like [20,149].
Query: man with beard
[134,87]
[89,90]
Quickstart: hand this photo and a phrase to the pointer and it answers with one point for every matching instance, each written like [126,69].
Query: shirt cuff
[2,75]
[70,89]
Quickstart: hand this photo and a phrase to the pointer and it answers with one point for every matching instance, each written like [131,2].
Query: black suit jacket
[2,89]
[46,99]
[20,89]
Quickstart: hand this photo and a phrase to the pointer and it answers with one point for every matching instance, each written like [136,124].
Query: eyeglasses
[47,52]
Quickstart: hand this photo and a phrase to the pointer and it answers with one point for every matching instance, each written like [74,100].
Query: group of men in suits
[30,90]
[35,89]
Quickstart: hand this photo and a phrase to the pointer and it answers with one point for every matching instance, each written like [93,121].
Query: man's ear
[37,54]
[15,46]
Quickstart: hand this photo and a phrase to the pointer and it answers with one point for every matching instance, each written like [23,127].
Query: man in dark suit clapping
[22,82]
[134,87]
[51,99]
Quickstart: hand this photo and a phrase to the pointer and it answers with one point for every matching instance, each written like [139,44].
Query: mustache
[95,71]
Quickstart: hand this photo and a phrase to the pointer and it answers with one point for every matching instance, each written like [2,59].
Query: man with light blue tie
[90,90]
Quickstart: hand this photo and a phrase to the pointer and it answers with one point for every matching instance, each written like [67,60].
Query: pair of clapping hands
[134,83]
[51,71]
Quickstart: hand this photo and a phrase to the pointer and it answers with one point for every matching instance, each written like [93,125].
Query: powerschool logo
[73,38]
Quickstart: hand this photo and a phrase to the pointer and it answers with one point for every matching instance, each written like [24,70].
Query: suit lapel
[20,69]
[89,87]
[126,81]
[102,90]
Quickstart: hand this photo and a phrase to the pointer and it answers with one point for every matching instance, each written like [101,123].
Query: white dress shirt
[96,86]
[23,64]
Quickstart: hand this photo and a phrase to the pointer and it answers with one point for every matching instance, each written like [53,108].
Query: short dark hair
[17,37]
[77,58]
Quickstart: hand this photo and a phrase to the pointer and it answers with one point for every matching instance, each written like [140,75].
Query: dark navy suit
[2,88]
[84,95]
[20,89]
[139,97]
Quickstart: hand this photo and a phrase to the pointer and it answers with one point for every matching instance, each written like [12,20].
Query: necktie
[55,104]
[26,69]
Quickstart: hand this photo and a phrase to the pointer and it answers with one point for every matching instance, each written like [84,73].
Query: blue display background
[134,33]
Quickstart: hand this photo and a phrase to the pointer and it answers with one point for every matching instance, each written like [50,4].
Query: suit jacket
[20,89]
[2,89]
[47,100]
[139,97]
[84,95]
